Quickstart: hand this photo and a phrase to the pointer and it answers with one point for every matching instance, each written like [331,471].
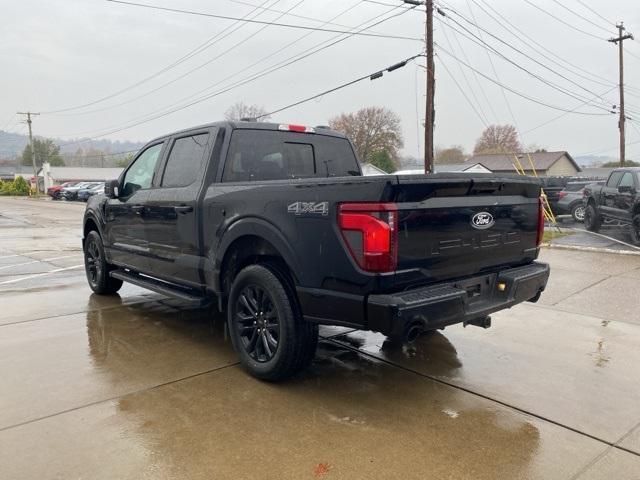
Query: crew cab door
[608,194]
[124,216]
[172,214]
[625,194]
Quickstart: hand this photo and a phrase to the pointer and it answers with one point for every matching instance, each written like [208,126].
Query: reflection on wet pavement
[341,414]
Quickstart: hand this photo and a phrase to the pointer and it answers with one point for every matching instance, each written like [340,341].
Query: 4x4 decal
[314,208]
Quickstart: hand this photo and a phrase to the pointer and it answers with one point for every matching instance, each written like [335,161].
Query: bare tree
[498,139]
[239,111]
[371,129]
[454,154]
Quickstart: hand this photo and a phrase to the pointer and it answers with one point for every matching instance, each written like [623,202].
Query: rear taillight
[370,231]
[540,222]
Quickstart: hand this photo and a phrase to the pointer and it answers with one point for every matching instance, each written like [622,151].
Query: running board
[189,296]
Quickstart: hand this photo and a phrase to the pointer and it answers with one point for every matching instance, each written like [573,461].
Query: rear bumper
[455,302]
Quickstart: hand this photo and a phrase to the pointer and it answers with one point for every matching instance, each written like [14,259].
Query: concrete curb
[590,249]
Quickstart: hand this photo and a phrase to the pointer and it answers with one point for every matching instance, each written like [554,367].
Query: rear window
[274,155]
[575,187]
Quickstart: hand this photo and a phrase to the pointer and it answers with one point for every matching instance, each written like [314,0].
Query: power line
[516,92]
[520,67]
[479,111]
[189,72]
[303,17]
[495,72]
[291,60]
[260,22]
[565,113]
[486,45]
[561,62]
[584,32]
[371,76]
[484,94]
[594,12]
[482,120]
[200,48]
[580,16]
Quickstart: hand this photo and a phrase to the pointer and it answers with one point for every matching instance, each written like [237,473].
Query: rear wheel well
[251,250]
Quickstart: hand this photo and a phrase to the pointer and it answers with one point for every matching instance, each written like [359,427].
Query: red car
[54,192]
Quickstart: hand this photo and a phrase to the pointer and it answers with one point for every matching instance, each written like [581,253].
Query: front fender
[94,211]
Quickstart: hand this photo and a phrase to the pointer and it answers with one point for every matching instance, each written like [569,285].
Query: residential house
[546,164]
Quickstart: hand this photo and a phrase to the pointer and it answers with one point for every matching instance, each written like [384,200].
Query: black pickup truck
[617,200]
[277,224]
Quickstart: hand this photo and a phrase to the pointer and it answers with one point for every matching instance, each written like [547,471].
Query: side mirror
[111,189]
[625,189]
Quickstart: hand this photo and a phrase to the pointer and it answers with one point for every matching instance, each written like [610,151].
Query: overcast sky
[67,53]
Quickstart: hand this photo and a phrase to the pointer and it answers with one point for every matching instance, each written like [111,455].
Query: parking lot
[137,386]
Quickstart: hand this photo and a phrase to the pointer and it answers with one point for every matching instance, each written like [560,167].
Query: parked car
[276,225]
[85,193]
[71,193]
[617,200]
[55,191]
[570,199]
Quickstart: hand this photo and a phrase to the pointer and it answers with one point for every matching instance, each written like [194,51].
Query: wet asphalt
[138,387]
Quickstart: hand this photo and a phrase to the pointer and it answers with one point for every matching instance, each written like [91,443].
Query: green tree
[46,151]
[383,161]
[124,162]
[498,139]
[616,163]
[371,129]
[450,155]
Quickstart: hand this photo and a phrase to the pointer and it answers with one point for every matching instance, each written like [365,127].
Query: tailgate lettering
[478,241]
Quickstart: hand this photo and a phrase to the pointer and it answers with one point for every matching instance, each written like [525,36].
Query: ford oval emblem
[482,220]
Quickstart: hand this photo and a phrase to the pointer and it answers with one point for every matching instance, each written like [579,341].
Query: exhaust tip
[413,331]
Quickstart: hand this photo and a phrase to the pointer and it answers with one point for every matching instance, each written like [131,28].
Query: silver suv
[570,199]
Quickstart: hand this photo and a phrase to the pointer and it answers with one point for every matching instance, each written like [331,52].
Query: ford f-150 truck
[277,225]
[617,200]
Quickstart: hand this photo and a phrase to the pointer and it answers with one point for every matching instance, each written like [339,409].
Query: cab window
[627,180]
[140,173]
[185,160]
[614,179]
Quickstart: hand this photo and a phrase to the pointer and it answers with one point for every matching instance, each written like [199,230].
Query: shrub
[19,186]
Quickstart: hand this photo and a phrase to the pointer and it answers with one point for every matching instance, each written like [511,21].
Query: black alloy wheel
[93,262]
[266,325]
[257,323]
[97,268]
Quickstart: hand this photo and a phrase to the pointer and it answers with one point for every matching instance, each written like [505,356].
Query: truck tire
[97,268]
[592,220]
[577,212]
[635,229]
[266,326]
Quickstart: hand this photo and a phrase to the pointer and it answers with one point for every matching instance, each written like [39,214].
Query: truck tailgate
[452,226]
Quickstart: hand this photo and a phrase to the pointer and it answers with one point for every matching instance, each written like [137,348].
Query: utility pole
[619,40]
[431,85]
[33,152]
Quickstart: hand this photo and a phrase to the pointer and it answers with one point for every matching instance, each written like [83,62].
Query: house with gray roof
[546,164]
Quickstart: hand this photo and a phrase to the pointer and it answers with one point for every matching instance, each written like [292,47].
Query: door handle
[137,209]
[183,209]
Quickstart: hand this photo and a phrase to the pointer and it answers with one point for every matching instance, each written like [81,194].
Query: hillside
[88,153]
